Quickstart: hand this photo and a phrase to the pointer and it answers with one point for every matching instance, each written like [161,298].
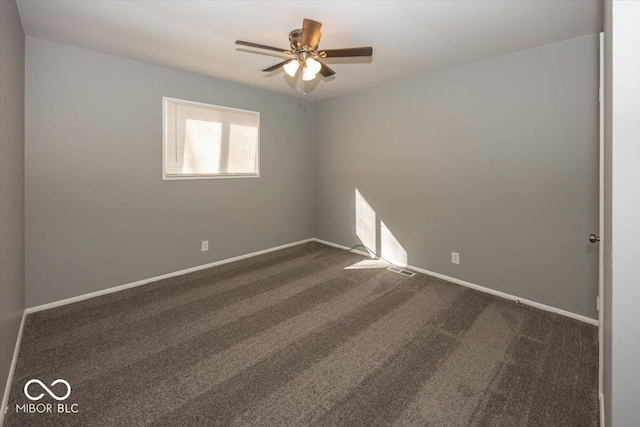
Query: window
[204,141]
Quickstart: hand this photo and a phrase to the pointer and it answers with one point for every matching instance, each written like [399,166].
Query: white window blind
[207,141]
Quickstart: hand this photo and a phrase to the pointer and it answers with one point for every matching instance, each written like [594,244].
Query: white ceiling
[408,38]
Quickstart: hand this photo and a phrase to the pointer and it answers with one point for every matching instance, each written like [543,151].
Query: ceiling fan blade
[261,46]
[275,67]
[347,52]
[325,71]
[310,33]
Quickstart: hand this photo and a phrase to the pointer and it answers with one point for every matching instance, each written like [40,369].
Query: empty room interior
[292,213]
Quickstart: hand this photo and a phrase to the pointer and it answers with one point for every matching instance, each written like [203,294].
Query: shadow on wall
[376,237]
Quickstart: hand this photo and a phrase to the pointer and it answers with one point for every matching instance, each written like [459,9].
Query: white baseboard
[346,248]
[155,279]
[238,258]
[508,296]
[482,288]
[12,369]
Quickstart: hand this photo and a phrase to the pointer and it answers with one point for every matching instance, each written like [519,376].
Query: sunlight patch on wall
[391,249]
[365,223]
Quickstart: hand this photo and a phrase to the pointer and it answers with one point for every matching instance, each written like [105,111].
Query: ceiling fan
[304,47]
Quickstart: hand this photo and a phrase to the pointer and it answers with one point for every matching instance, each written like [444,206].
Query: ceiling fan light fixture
[307,74]
[313,66]
[304,47]
[311,69]
[292,67]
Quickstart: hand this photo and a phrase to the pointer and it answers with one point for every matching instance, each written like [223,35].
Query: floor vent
[401,271]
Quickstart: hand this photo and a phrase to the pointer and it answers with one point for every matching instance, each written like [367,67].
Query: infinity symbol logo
[52,394]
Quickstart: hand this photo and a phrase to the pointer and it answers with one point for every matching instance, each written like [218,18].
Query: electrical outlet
[205,245]
[455,258]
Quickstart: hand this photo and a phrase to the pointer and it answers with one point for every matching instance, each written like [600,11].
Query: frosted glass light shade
[312,65]
[291,67]
[311,68]
[307,75]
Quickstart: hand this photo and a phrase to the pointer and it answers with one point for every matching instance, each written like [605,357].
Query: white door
[601,235]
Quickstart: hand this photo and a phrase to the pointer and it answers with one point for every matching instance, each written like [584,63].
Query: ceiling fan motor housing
[295,40]
[301,52]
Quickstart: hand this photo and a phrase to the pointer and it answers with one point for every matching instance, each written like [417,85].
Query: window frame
[165,100]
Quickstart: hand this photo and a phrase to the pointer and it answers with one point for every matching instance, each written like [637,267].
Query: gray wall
[97,212]
[496,160]
[623,141]
[11,182]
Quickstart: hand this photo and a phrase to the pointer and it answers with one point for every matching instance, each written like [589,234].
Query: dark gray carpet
[294,338]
